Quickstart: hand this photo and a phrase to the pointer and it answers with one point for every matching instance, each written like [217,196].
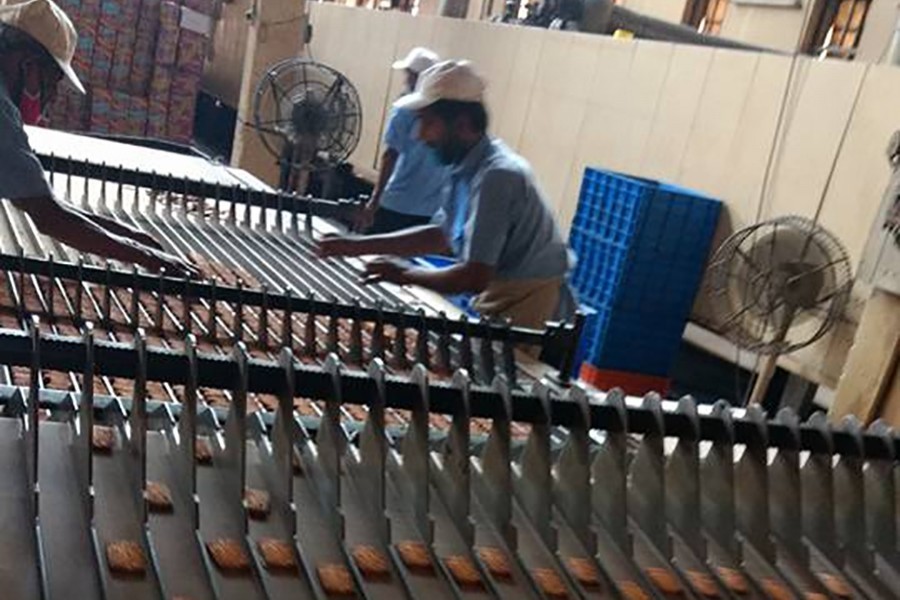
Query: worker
[411,184]
[495,220]
[37,42]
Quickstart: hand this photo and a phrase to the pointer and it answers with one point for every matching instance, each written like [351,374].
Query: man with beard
[37,42]
[411,183]
[495,220]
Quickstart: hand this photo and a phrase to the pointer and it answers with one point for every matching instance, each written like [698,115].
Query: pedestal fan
[778,286]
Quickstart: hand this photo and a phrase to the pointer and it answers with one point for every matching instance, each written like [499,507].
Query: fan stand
[292,178]
[770,363]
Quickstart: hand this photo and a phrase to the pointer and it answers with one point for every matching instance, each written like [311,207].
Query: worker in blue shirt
[412,183]
[495,220]
[37,43]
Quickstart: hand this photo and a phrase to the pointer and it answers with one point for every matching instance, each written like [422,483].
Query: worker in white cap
[411,184]
[37,42]
[495,220]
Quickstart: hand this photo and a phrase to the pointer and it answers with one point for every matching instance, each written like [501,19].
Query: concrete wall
[699,117]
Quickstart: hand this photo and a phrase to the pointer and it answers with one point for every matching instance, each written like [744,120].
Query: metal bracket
[718,509]
[609,471]
[534,483]
[785,497]
[881,498]
[647,489]
[752,486]
[682,482]
[415,456]
[849,488]
[572,483]
[496,479]
[373,452]
[332,444]
[452,477]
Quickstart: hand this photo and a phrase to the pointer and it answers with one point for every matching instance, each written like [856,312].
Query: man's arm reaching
[80,231]
[415,241]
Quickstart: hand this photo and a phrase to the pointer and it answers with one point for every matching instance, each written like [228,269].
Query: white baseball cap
[449,80]
[49,26]
[417,61]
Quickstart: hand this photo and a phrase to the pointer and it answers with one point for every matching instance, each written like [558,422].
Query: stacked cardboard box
[141,61]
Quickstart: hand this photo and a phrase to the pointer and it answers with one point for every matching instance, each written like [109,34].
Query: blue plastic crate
[642,247]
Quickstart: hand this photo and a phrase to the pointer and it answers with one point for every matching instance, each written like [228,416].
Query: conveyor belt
[679,512]
[356,420]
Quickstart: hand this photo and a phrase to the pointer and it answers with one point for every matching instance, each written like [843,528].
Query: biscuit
[228,555]
[776,591]
[584,572]
[464,572]
[103,439]
[276,554]
[632,591]
[296,464]
[371,562]
[733,580]
[202,450]
[257,503]
[126,557]
[159,496]
[703,584]
[663,580]
[415,556]
[495,561]
[835,585]
[550,583]
[335,580]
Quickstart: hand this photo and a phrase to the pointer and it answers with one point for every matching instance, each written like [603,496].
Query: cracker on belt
[103,438]
[228,555]
[415,556]
[336,580]
[126,557]
[276,554]
[550,583]
[496,562]
[257,503]
[159,496]
[371,562]
[464,571]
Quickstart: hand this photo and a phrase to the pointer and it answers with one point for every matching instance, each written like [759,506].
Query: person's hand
[174,267]
[335,244]
[365,216]
[385,270]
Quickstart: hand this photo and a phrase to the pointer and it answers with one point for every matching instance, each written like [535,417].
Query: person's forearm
[458,279]
[104,222]
[416,241]
[75,229]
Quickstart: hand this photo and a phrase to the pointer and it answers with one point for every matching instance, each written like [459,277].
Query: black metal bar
[263,199]
[209,291]
[120,360]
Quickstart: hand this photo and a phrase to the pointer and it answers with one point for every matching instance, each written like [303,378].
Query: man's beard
[450,152]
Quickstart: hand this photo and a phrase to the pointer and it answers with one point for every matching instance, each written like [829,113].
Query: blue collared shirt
[418,184]
[497,215]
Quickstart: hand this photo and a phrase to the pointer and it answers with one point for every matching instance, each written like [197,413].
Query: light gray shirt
[497,215]
[21,173]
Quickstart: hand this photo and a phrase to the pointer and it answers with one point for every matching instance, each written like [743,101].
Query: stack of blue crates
[642,248]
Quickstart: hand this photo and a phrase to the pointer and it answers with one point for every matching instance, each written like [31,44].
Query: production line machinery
[373,461]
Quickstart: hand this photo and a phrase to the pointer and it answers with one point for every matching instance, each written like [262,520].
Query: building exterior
[850,29]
